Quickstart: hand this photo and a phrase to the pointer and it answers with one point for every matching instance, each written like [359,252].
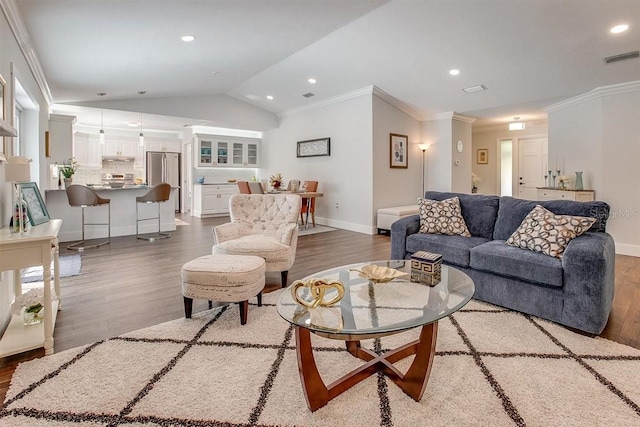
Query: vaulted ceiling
[528,53]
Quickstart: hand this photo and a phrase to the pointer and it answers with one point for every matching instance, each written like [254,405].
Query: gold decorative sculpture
[379,274]
[317,289]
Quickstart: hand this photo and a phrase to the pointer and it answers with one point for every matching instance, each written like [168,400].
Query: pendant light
[141,138]
[102,137]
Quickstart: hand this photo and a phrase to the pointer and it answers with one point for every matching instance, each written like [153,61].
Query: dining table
[305,195]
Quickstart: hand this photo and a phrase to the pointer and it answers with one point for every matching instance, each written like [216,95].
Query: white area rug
[493,367]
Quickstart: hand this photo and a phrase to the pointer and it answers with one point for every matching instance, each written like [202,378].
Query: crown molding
[339,98]
[462,118]
[12,13]
[596,93]
[451,115]
[368,90]
[396,103]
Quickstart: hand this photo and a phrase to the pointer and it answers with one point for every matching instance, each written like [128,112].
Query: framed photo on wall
[314,148]
[398,157]
[483,156]
[36,209]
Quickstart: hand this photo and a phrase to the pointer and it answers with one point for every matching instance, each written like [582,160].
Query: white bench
[387,216]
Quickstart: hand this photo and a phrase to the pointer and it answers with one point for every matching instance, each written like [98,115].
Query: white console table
[37,246]
[557,194]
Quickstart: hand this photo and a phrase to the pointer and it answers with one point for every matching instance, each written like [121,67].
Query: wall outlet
[337,205]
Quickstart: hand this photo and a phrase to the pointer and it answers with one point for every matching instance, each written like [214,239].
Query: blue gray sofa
[575,291]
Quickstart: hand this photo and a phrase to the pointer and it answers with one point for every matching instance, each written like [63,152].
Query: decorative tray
[379,274]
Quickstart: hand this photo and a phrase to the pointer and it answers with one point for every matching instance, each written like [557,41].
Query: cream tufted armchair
[263,225]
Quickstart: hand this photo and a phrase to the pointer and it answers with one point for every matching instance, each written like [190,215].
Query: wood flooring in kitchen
[132,284]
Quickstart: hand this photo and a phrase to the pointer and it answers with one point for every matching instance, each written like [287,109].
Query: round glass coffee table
[373,310]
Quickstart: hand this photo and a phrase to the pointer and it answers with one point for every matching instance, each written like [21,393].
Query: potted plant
[276,180]
[67,170]
[475,179]
[30,305]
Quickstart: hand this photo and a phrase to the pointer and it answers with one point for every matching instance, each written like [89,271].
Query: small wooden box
[426,267]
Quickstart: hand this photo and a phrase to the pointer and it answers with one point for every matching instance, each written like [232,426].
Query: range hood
[118,159]
[6,129]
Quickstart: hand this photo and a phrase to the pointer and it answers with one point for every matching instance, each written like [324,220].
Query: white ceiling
[529,53]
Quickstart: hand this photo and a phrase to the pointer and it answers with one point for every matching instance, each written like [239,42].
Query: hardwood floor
[131,284]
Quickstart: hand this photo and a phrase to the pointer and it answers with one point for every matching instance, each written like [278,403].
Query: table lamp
[17,171]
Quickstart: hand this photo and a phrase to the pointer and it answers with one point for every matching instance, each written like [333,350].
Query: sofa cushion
[454,249]
[479,211]
[512,211]
[499,258]
[442,217]
[543,231]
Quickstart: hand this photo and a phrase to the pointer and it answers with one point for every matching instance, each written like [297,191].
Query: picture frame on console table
[314,148]
[36,208]
[398,151]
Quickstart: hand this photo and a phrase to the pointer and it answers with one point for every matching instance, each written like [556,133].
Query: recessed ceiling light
[133,124]
[270,98]
[619,28]
[188,38]
[312,81]
[454,72]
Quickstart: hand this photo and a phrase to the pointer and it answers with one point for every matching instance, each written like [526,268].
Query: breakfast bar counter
[123,213]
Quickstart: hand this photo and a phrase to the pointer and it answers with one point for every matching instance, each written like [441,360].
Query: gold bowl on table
[379,274]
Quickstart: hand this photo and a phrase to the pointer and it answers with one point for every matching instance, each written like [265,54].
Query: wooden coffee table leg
[415,379]
[315,391]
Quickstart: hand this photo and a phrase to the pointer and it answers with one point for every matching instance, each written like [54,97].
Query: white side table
[38,246]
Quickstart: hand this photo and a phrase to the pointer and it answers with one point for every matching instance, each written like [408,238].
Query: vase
[32,317]
[68,182]
[579,184]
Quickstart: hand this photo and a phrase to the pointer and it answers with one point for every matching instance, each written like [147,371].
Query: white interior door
[532,164]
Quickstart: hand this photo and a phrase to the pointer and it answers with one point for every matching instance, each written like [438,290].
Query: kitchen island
[123,213]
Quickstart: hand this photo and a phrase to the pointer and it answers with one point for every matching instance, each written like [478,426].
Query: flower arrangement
[475,179]
[275,180]
[30,300]
[563,181]
[68,169]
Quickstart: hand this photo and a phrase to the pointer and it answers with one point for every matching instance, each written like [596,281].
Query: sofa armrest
[400,229]
[588,264]
[227,231]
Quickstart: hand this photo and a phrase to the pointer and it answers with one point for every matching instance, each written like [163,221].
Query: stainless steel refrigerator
[164,167]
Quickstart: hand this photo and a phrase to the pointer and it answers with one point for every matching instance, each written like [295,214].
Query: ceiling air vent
[621,57]
[472,89]
[309,95]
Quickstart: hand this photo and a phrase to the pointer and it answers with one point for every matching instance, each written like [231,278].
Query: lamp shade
[17,170]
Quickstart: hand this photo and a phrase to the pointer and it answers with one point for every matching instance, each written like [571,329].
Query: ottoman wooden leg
[244,308]
[188,307]
[210,305]
[260,299]
[283,275]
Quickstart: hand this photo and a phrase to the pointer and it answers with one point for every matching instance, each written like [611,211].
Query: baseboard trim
[624,249]
[358,228]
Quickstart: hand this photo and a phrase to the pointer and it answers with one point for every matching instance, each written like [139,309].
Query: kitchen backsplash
[222,175]
[94,175]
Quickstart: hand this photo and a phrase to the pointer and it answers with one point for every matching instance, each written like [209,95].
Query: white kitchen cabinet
[165,146]
[211,200]
[575,195]
[217,150]
[87,150]
[120,146]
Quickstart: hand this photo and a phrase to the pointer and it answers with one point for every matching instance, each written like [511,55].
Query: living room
[590,123]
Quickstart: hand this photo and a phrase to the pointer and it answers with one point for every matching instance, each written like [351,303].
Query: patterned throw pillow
[545,232]
[443,217]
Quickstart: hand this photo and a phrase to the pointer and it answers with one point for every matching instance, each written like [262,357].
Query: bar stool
[159,193]
[84,197]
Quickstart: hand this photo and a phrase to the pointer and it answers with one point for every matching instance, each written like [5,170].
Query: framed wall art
[36,209]
[314,148]
[398,151]
[483,156]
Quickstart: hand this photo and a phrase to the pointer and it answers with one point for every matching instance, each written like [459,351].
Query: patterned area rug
[70,265]
[493,367]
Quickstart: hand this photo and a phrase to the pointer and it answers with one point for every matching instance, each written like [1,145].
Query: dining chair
[256,188]
[309,204]
[244,188]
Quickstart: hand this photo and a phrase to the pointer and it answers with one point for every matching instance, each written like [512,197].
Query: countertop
[218,183]
[100,187]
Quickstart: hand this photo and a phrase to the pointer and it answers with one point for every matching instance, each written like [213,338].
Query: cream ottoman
[387,216]
[223,278]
